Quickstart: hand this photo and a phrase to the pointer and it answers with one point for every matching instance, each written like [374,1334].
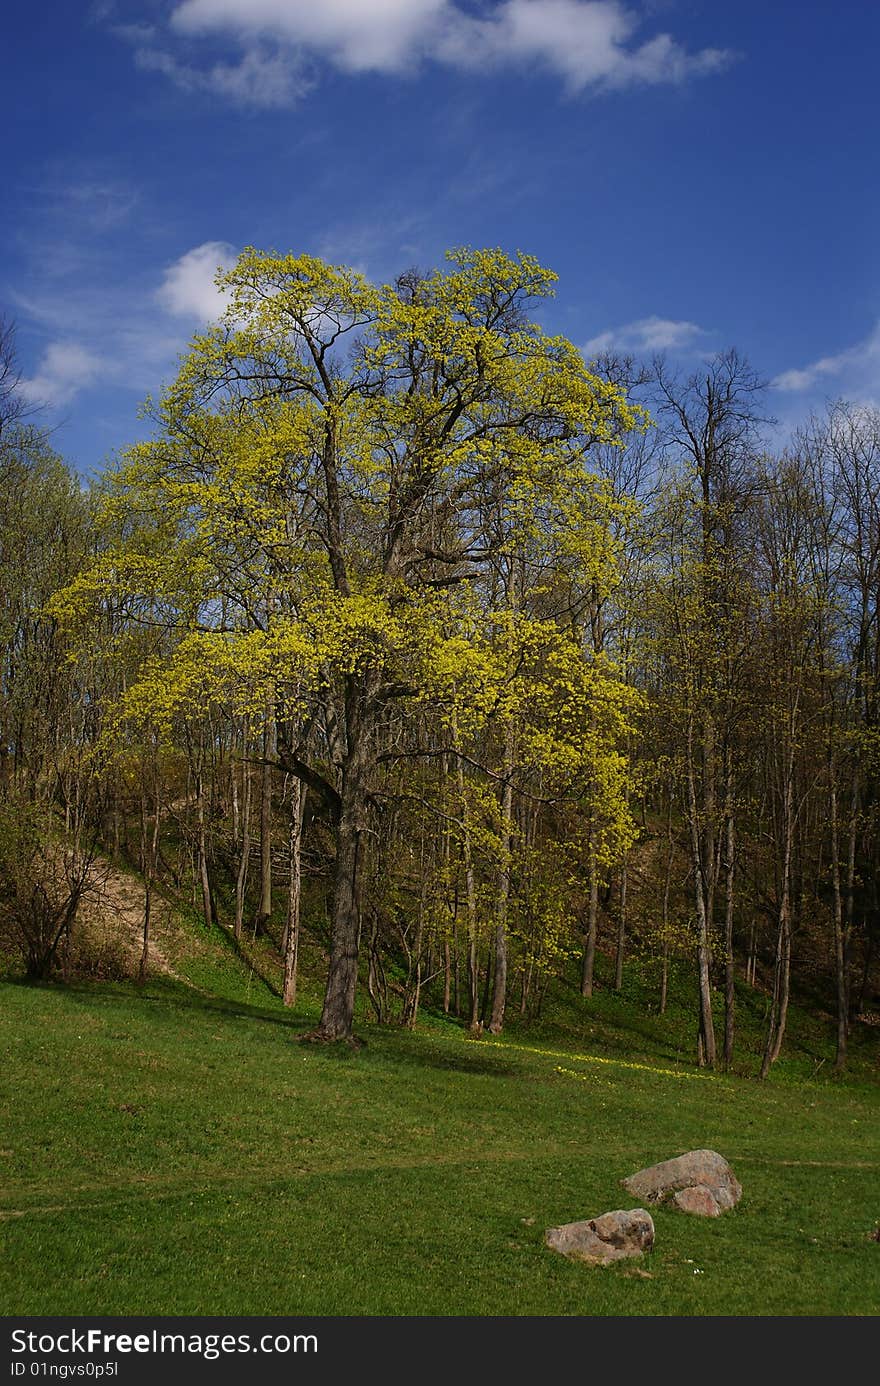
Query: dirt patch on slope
[109,931]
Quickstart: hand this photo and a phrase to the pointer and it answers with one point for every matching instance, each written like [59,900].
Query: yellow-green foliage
[339,477]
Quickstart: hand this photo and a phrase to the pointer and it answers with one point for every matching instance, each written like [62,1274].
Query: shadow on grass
[388,1044]
[452,1054]
[238,948]
[169,994]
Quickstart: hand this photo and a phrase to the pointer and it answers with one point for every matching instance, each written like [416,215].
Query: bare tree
[711,424]
[12,403]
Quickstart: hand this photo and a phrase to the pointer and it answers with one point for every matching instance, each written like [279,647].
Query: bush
[42,883]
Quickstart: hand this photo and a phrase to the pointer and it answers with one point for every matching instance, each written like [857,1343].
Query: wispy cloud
[648,335]
[588,45]
[81,202]
[260,78]
[123,334]
[66,368]
[98,205]
[853,372]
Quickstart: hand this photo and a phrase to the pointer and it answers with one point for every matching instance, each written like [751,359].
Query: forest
[411,637]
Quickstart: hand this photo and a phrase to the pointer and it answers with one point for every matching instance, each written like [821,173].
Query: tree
[13,405]
[711,423]
[44,538]
[51,801]
[356,508]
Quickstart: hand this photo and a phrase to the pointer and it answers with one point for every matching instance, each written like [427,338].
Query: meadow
[174,1149]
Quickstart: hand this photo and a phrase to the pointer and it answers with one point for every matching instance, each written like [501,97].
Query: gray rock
[700,1182]
[699,1200]
[610,1237]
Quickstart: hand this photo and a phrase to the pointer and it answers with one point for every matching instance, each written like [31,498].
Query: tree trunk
[291,941]
[589,960]
[337,1014]
[706,1038]
[621,928]
[729,971]
[204,875]
[839,948]
[752,959]
[850,892]
[667,885]
[151,853]
[452,905]
[447,975]
[244,858]
[782,960]
[471,898]
[499,992]
[264,910]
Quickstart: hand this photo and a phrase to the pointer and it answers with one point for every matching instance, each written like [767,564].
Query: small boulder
[697,1199]
[700,1182]
[610,1237]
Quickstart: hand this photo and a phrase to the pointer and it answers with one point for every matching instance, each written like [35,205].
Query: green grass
[176,1151]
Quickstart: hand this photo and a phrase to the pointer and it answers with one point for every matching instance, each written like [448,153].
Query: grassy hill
[172,1149]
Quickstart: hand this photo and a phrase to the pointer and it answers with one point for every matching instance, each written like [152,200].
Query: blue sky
[700,175]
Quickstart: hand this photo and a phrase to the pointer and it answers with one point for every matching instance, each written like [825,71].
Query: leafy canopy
[386,484]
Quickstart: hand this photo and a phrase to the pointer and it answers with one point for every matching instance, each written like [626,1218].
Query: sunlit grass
[167,1150]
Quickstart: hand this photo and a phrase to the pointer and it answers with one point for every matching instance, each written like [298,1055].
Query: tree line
[408,616]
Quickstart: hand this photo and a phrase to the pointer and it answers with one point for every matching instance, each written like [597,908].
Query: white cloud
[587,44]
[118,334]
[66,368]
[378,36]
[134,33]
[261,78]
[647,334]
[188,289]
[854,372]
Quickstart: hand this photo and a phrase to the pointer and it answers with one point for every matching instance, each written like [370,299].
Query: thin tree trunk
[782,960]
[471,899]
[447,976]
[706,1038]
[204,875]
[244,858]
[621,927]
[784,989]
[667,885]
[264,910]
[291,942]
[116,821]
[499,992]
[729,972]
[849,902]
[839,949]
[447,950]
[150,852]
[233,787]
[589,959]
[752,960]
[487,988]
[709,854]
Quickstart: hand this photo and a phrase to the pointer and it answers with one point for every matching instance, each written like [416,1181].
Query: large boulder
[610,1237]
[700,1182]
